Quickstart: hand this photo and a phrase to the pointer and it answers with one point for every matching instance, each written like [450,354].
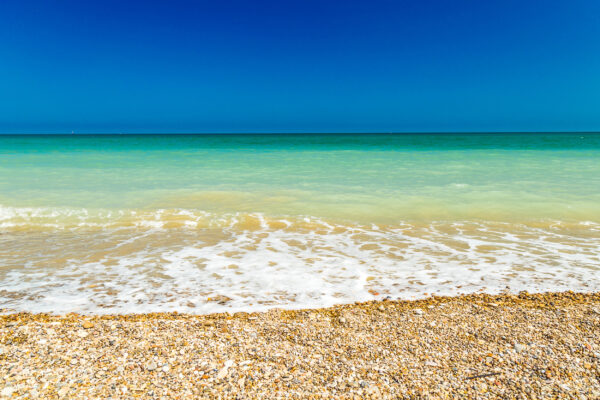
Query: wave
[105,261]
[64,218]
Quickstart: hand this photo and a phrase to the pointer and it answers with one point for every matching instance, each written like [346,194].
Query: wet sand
[475,346]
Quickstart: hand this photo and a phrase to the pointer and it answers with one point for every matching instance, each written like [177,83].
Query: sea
[114,224]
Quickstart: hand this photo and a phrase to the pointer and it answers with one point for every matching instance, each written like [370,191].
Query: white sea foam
[61,260]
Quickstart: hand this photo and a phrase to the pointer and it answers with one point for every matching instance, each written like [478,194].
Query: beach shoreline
[474,346]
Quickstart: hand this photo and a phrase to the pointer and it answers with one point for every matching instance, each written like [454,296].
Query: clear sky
[295,66]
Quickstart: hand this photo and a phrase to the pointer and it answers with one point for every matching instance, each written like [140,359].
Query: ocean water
[208,223]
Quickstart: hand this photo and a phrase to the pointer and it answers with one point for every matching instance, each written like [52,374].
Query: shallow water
[204,223]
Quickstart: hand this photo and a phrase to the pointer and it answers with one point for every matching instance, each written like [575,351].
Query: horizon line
[302,133]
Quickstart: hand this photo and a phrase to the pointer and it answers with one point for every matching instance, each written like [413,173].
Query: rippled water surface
[235,222]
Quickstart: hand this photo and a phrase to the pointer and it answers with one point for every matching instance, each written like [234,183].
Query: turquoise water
[114,222]
[367,178]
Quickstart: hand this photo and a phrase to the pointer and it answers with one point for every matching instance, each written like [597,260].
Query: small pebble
[151,366]
[519,347]
[7,391]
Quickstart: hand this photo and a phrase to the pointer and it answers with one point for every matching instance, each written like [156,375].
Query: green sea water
[138,216]
[366,178]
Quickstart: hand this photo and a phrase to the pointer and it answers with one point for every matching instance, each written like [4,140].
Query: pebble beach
[523,346]
[299,200]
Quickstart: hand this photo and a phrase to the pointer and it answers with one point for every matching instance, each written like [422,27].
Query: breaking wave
[106,261]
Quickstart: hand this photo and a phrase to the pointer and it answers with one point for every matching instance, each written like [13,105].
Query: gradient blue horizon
[299,66]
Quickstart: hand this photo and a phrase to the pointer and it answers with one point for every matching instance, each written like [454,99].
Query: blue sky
[299,66]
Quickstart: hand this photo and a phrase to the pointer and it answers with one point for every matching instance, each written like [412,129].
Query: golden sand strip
[476,346]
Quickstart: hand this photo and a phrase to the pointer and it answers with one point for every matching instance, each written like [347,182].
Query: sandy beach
[475,346]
